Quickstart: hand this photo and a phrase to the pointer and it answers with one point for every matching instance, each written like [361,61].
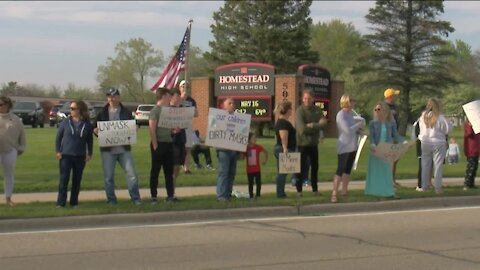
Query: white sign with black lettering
[228,131]
[288,163]
[176,117]
[115,133]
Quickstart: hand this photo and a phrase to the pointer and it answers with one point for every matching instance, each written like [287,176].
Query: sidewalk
[89,195]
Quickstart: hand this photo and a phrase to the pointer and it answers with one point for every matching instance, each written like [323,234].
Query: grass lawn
[37,169]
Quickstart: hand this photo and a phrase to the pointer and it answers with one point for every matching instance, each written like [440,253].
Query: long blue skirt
[379,180]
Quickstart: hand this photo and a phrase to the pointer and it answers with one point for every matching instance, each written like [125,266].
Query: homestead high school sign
[245,79]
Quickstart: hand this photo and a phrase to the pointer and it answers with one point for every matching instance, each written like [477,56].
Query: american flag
[169,77]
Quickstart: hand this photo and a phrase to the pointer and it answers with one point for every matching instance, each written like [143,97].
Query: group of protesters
[169,147]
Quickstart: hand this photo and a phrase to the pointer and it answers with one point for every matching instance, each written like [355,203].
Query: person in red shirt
[253,164]
[471,145]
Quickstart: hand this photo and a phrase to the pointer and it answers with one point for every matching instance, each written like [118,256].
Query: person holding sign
[74,145]
[179,138]
[308,121]
[114,111]
[348,129]
[187,101]
[434,128]
[471,147]
[227,161]
[161,148]
[286,139]
[383,129]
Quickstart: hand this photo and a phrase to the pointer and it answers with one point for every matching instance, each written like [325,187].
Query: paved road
[427,239]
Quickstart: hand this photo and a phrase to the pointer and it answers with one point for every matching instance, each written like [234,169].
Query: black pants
[74,164]
[257,177]
[311,153]
[162,156]
[472,166]
[199,149]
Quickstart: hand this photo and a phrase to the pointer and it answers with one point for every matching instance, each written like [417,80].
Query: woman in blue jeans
[74,144]
[285,135]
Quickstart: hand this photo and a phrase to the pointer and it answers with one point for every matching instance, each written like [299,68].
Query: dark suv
[30,112]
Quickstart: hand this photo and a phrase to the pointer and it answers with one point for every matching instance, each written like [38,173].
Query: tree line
[405,49]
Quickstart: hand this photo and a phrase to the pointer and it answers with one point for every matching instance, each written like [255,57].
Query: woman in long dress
[383,129]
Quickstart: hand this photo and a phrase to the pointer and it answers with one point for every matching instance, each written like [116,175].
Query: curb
[165,218]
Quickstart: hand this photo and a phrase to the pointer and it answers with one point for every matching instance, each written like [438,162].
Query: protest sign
[288,163]
[114,133]
[361,141]
[390,152]
[176,117]
[227,131]
[472,110]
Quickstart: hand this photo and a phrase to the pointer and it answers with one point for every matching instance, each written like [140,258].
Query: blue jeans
[74,164]
[227,161]
[126,162]
[281,178]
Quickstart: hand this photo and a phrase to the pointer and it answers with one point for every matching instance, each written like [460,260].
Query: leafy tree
[135,60]
[73,92]
[408,38]
[339,45]
[272,32]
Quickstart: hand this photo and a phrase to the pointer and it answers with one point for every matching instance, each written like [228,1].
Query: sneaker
[199,167]
[306,182]
[59,206]
[111,202]
[171,200]
[137,202]
[154,201]
[209,167]
[418,189]
[187,172]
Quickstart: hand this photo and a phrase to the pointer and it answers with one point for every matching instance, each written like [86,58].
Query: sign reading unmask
[227,131]
[245,79]
[115,133]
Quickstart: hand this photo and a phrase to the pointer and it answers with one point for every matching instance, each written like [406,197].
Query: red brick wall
[202,92]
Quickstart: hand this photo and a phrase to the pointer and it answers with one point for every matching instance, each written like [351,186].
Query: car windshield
[19,105]
[145,107]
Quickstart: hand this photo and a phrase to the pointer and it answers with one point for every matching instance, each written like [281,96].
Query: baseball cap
[113,92]
[182,83]
[390,92]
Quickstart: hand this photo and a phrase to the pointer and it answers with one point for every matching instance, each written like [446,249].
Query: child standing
[253,164]
[453,153]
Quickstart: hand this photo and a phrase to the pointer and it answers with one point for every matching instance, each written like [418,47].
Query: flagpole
[187,54]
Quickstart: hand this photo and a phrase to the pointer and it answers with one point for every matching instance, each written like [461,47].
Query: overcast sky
[55,43]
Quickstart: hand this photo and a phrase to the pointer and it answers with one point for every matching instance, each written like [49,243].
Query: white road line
[242,220]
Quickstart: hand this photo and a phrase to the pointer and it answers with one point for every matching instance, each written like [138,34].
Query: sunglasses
[377,109]
[73,109]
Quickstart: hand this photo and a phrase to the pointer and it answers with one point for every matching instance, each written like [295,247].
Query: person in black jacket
[114,110]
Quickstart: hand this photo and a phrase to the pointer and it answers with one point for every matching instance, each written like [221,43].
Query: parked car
[143,113]
[30,112]
[53,115]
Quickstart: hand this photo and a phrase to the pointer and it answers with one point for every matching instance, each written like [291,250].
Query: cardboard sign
[288,163]
[115,133]
[472,110]
[176,117]
[227,131]
[391,152]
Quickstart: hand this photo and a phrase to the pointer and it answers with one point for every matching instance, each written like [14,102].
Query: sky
[56,43]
